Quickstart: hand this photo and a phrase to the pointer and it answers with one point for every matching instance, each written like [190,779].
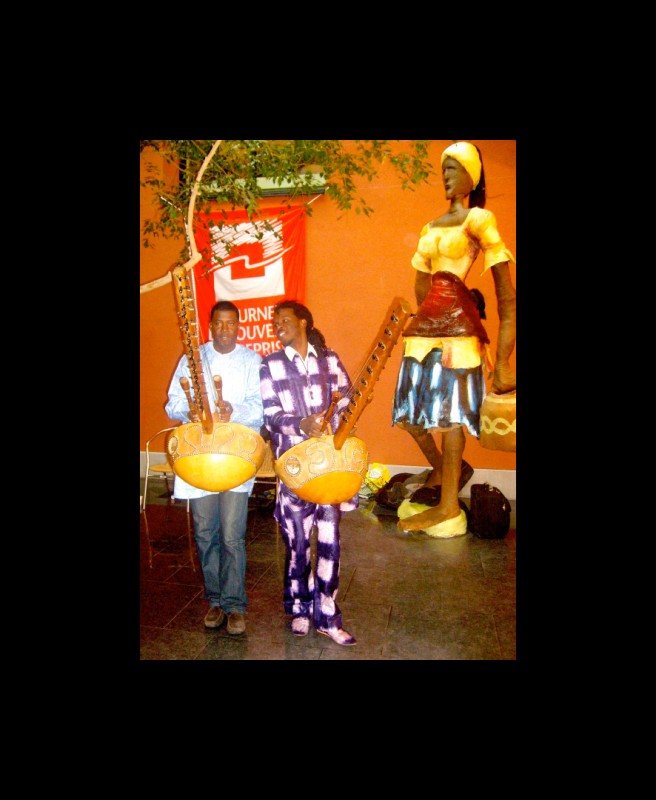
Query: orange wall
[356,265]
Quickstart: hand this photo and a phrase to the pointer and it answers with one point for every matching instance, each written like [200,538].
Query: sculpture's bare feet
[428,518]
[435,477]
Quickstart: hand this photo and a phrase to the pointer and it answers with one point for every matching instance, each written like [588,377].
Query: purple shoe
[300,626]
[338,635]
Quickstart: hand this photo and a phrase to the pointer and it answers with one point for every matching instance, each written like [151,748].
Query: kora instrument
[330,469]
[214,456]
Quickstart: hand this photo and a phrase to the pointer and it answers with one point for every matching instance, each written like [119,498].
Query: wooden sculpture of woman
[441,382]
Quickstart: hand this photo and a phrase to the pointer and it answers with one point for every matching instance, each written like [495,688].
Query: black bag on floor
[489,513]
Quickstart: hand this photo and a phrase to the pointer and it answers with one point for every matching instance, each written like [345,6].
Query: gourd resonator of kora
[217,461]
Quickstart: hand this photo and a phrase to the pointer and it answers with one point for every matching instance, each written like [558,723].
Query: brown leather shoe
[236,623]
[214,617]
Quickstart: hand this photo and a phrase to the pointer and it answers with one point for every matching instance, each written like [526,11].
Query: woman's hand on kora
[504,379]
[311,426]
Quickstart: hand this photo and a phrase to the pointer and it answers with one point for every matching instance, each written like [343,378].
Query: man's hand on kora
[504,379]
[222,413]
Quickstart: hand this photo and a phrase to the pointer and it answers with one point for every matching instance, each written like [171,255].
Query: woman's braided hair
[314,335]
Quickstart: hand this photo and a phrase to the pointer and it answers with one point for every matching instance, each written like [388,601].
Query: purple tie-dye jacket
[289,394]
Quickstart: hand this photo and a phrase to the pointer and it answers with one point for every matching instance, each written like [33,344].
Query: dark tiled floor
[404,596]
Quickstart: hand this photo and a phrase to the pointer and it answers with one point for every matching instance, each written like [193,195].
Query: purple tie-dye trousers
[306,592]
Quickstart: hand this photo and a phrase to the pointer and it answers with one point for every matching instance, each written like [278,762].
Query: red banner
[256,273]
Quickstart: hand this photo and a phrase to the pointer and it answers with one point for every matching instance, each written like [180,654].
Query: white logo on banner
[257,270]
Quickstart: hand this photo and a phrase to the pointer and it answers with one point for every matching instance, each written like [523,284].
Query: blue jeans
[220,533]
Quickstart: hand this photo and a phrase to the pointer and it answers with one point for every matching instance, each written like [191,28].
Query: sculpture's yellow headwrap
[467,156]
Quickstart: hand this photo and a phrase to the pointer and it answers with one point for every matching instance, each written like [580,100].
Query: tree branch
[195,255]
[148,287]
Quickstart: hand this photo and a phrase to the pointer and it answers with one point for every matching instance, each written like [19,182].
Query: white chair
[266,472]
[158,470]
[190,538]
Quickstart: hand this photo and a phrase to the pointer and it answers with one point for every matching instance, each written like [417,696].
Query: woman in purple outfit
[297,385]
